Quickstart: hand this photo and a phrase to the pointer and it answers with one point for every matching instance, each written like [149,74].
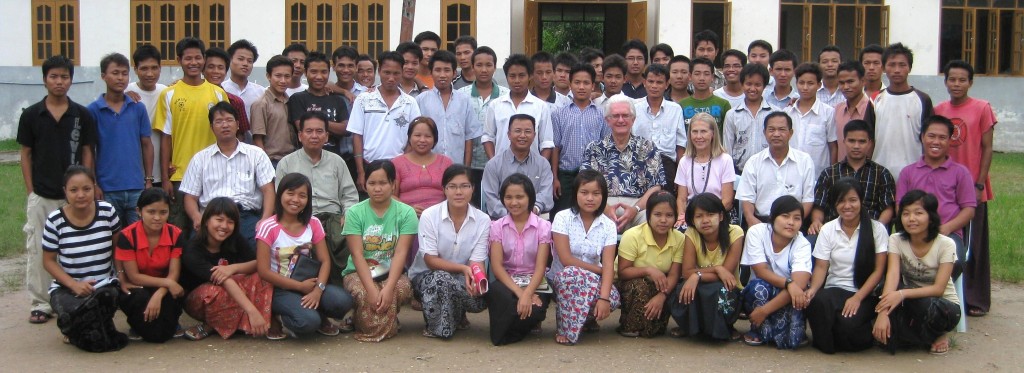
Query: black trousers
[835,332]
[159,330]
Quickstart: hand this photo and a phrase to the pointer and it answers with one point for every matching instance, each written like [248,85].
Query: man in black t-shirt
[317,98]
[54,134]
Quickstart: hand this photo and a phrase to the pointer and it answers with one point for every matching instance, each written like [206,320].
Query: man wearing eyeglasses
[520,157]
[233,169]
[333,189]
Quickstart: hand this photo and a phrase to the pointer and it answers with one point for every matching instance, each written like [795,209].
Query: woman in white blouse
[849,263]
[582,268]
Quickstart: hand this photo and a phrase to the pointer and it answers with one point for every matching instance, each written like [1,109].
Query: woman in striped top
[78,253]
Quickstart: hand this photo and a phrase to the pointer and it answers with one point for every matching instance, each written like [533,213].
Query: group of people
[645,181]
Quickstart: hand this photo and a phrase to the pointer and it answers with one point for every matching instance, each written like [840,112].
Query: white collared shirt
[438,237]
[385,130]
[250,94]
[840,251]
[501,109]
[734,101]
[743,132]
[238,175]
[602,101]
[764,180]
[665,129]
[456,123]
[758,248]
[585,245]
[813,131]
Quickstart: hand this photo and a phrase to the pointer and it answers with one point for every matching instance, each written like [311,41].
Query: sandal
[463,325]
[197,332]
[751,339]
[276,335]
[39,317]
[178,333]
[536,330]
[416,305]
[65,339]
[133,335]
[677,332]
[940,348]
[735,336]
[329,329]
[591,326]
[976,312]
[629,334]
[347,325]
[428,334]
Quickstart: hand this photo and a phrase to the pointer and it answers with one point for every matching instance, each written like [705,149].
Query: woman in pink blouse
[419,170]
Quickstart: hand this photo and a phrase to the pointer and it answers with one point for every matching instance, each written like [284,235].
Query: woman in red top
[150,254]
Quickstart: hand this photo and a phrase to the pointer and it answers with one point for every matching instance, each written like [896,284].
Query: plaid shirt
[630,172]
[878,184]
[574,130]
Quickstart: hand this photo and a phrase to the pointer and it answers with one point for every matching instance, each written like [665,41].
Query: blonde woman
[705,166]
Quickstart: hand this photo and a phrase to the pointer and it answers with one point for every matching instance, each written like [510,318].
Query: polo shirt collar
[239,148]
[860,108]
[648,236]
[764,105]
[142,242]
[72,109]
[947,164]
[551,98]
[102,101]
[495,91]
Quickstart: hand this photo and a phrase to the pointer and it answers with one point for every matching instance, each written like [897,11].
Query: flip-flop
[276,336]
[463,325]
[39,317]
[976,312]
[347,325]
[329,329]
[591,326]
[196,332]
[934,351]
[428,334]
[752,340]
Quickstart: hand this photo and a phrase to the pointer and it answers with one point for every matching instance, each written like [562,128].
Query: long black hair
[864,259]
[221,206]
[711,204]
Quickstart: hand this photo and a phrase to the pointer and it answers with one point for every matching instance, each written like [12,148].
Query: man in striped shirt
[575,126]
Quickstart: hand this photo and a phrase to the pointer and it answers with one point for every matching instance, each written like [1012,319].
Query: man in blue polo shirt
[124,151]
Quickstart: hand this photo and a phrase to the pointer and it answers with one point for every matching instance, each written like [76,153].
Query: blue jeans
[247,225]
[335,302]
[125,203]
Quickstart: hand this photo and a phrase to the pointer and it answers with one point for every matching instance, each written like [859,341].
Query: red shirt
[971,120]
[133,246]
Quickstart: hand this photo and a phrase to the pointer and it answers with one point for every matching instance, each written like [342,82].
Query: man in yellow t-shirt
[182,121]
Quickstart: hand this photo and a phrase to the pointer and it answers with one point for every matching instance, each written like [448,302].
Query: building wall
[16,33]
[749,22]
[262,23]
[916,23]
[101,38]
[669,29]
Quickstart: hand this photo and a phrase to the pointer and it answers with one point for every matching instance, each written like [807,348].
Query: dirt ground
[989,345]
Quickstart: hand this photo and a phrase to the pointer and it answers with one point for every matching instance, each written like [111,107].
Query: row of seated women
[863,286]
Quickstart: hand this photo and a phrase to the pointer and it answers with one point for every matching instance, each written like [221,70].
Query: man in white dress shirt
[774,172]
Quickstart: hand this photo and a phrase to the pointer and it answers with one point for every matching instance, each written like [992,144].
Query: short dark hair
[484,50]
[858,125]
[317,56]
[222,107]
[702,61]
[931,206]
[455,170]
[663,48]
[589,54]
[145,52]
[777,114]
[584,67]
[958,64]
[830,48]
[278,61]
[782,55]
[410,47]
[294,181]
[517,59]
[681,58]
[808,67]
[113,58]
[708,36]
[306,116]
[898,48]
[521,180]
[760,44]
[937,120]
[659,198]
[565,59]
[656,69]
[851,65]
[189,43]
[366,57]
[638,45]
[427,35]
[735,53]
[871,48]
[431,125]
[216,52]
[614,61]
[382,164]
[227,207]
[343,52]
[295,47]
[243,44]
[754,69]
[784,204]
[541,57]
[443,56]
[515,117]
[466,39]
[391,56]
[585,177]
[75,170]
[151,196]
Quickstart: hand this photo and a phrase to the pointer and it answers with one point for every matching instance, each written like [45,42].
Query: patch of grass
[12,211]
[1005,212]
[9,145]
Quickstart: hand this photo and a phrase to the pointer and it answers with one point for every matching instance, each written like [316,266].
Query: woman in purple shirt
[520,243]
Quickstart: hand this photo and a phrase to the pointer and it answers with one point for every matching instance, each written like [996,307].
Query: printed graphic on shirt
[289,256]
[960,134]
[378,246]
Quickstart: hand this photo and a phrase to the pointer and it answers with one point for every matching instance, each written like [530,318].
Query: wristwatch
[789,280]
[321,286]
[150,179]
[979,186]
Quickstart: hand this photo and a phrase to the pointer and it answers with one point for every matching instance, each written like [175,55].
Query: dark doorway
[571,27]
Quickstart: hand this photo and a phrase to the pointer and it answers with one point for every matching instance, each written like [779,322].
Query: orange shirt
[134,246]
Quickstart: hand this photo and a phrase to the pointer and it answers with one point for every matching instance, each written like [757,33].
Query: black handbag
[305,268]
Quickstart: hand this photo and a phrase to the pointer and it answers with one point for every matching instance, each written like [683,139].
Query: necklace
[703,168]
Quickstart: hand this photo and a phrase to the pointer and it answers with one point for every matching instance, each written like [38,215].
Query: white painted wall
[753,20]
[16,33]
[99,37]
[494,25]
[428,17]
[673,18]
[915,23]
[262,23]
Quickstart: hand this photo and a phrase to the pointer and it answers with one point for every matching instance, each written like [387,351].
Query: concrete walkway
[10,157]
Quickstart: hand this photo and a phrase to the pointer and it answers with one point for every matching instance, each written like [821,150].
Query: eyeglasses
[458,187]
[619,116]
[520,131]
[221,122]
